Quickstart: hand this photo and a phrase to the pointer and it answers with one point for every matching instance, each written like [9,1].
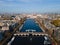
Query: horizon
[29,6]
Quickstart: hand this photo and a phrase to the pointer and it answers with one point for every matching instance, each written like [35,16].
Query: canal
[30,25]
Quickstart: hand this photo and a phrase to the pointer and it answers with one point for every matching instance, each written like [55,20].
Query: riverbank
[47,31]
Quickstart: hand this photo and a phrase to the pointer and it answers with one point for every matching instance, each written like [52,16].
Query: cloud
[28,0]
[16,2]
[6,0]
[9,0]
[23,0]
[20,0]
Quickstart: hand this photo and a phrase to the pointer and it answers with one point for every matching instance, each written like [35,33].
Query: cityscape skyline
[29,6]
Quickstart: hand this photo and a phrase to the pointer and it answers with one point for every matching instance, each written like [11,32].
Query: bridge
[32,33]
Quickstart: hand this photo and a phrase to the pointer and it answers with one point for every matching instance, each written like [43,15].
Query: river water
[30,24]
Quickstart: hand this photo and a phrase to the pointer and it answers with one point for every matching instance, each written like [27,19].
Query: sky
[29,6]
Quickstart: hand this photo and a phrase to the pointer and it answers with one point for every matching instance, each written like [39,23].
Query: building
[57,34]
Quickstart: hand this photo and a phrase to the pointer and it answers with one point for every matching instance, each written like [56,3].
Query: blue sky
[29,6]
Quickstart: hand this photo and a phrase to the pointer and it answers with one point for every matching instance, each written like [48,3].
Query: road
[9,35]
[47,31]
